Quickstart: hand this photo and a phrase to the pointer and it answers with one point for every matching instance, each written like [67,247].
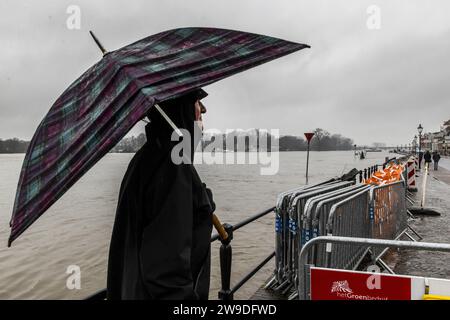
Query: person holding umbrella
[161,238]
[160,245]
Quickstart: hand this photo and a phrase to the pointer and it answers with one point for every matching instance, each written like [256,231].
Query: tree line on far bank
[322,141]
[13,146]
[250,141]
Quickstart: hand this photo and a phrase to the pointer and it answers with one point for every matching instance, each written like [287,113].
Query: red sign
[309,136]
[331,284]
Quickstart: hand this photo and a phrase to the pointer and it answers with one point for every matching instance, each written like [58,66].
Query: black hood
[182,113]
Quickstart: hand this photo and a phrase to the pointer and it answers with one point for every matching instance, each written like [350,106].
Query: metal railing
[226,292]
[367,172]
[304,267]
[305,206]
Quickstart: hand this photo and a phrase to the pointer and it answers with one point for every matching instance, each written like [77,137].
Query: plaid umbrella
[101,106]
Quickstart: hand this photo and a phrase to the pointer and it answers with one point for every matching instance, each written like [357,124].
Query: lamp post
[420,130]
[308,136]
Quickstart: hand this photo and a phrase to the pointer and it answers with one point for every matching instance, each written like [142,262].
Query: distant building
[438,141]
[444,146]
[446,127]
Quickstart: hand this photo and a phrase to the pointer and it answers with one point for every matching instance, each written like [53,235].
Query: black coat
[160,246]
[427,157]
[436,157]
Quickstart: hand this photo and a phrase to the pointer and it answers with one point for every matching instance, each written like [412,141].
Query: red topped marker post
[308,136]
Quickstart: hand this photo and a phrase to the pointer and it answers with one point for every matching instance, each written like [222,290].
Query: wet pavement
[431,228]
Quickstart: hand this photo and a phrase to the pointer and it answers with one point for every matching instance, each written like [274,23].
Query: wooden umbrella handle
[219,227]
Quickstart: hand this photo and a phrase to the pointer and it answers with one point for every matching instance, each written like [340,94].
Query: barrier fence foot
[411,201]
[411,215]
[288,288]
[281,286]
[270,283]
[383,264]
[415,232]
[293,296]
[410,237]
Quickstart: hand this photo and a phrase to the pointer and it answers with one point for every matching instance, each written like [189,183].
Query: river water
[76,230]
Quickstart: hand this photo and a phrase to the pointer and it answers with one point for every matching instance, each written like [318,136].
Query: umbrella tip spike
[100,46]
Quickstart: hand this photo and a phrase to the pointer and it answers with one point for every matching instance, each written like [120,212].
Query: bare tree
[319,135]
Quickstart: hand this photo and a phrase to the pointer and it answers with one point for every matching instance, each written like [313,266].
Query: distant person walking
[420,158]
[427,158]
[436,158]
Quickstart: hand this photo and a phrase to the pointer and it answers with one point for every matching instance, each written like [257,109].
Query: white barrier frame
[303,267]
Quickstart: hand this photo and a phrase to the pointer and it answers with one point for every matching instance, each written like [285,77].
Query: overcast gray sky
[369,85]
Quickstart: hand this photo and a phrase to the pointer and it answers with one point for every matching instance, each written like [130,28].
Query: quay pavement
[431,228]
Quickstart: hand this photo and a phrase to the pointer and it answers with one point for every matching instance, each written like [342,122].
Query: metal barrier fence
[304,267]
[319,219]
[296,209]
[338,208]
[287,228]
[348,218]
[388,213]
[315,210]
[282,228]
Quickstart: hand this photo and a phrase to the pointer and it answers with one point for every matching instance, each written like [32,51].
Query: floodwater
[76,230]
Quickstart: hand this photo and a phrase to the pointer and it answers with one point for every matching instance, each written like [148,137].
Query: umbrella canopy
[101,106]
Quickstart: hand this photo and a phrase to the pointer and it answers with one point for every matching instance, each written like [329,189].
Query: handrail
[367,172]
[226,293]
[252,273]
[225,256]
[245,222]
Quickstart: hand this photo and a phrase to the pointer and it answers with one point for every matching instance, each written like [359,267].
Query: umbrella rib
[166,117]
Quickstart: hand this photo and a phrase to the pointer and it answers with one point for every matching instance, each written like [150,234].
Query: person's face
[199,110]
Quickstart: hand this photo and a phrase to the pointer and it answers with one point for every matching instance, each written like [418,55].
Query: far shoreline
[217,151]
